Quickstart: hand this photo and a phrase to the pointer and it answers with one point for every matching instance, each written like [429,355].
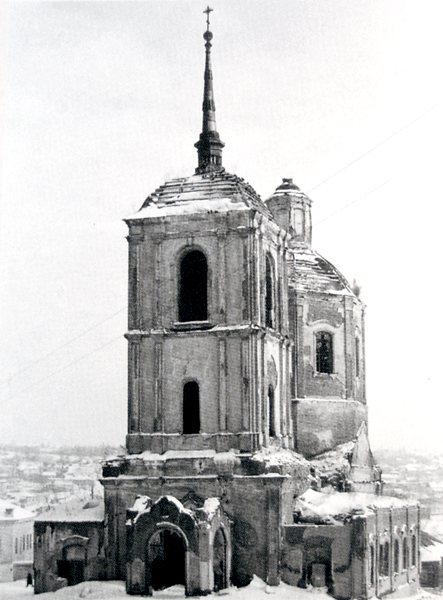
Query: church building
[247,445]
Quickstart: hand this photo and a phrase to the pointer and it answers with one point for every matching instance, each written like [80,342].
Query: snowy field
[115,590]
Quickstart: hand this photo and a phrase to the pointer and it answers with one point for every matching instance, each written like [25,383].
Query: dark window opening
[324,356]
[191,408]
[269,294]
[372,565]
[193,287]
[397,556]
[271,403]
[405,553]
[383,559]
[413,551]
[357,357]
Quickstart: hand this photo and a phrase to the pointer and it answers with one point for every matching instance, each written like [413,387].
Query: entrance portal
[166,560]
[71,570]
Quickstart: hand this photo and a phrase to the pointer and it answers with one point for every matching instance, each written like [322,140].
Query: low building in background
[16,541]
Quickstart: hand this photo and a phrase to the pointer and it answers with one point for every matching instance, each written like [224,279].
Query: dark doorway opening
[71,570]
[193,288]
[166,560]
[319,574]
[191,407]
[220,561]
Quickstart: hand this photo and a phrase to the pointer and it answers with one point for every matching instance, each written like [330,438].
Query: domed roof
[289,189]
[215,191]
[310,272]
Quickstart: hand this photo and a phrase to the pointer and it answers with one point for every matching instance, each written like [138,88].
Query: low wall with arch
[158,532]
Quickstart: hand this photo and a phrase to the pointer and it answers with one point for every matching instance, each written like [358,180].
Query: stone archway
[72,564]
[220,560]
[165,559]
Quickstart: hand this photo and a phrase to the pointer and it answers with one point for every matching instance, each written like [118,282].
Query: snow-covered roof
[11,512]
[75,510]
[314,505]
[431,548]
[310,272]
[217,191]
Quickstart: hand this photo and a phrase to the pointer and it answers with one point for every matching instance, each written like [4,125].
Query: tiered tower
[327,325]
[209,348]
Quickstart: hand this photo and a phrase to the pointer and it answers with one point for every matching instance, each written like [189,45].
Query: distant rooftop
[11,512]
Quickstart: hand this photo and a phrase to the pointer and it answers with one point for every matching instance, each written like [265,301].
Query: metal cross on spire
[207,12]
[209,146]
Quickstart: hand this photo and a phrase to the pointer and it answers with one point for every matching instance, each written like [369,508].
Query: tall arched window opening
[271,405]
[383,559]
[372,565]
[397,556]
[193,287]
[357,357]
[413,551]
[269,294]
[191,408]
[324,352]
[405,553]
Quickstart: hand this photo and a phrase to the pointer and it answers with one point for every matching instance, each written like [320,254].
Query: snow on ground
[115,590]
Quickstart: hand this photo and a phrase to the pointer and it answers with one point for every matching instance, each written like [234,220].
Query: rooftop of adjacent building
[332,507]
[11,512]
[76,510]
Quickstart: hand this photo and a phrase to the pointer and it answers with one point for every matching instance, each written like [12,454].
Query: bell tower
[209,349]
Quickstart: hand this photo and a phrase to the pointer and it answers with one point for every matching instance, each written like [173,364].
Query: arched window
[271,403]
[191,408]
[397,556]
[193,287]
[413,551]
[357,357]
[269,295]
[405,553]
[324,352]
[371,564]
[383,559]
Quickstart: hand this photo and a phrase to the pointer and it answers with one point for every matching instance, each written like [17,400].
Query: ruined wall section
[328,408]
[255,504]
[56,543]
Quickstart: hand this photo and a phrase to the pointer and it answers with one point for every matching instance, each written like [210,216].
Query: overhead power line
[70,341]
[365,195]
[74,362]
[373,148]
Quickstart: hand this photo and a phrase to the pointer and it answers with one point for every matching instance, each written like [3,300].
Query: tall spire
[209,146]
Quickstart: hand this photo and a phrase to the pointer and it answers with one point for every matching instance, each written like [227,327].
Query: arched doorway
[72,566]
[166,560]
[219,561]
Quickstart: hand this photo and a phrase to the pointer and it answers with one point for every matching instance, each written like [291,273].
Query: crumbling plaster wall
[49,539]
[302,542]
[257,506]
[329,408]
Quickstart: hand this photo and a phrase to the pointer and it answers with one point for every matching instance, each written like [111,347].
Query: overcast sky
[101,102]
